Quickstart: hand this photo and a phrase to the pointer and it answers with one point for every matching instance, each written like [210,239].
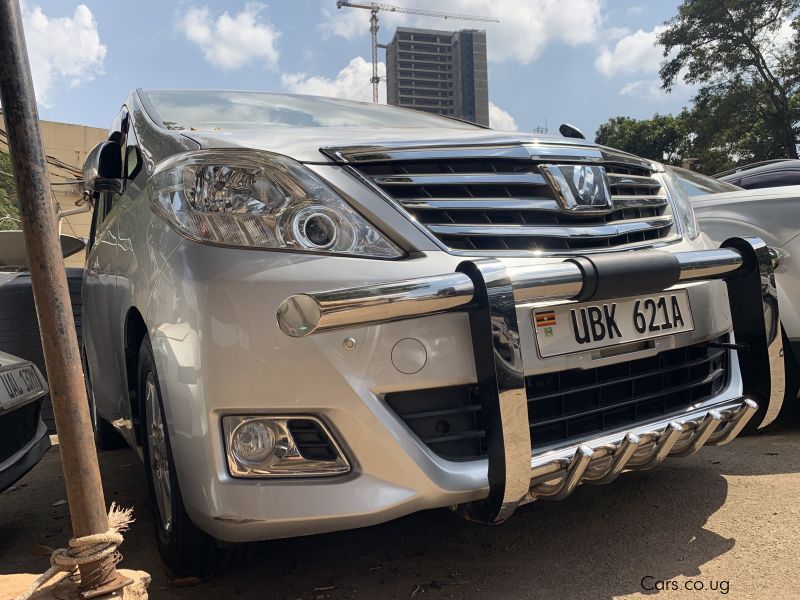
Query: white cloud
[644,88]
[524,31]
[352,82]
[231,42]
[346,23]
[500,119]
[62,49]
[637,52]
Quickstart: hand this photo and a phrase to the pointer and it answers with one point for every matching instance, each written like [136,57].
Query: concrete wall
[69,143]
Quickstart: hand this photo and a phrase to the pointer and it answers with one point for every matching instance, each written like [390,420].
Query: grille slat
[462,179]
[625,180]
[462,200]
[608,230]
[626,201]
[568,406]
[539,204]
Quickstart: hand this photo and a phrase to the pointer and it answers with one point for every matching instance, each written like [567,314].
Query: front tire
[183,547]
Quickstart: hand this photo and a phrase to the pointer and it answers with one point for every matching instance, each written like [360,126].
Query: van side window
[773,179]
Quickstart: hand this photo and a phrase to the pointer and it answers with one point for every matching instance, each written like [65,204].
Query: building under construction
[442,72]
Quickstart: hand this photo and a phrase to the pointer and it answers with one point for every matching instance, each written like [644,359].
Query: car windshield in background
[695,184]
[223,110]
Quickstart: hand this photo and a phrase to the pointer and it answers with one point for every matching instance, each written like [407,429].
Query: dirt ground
[727,518]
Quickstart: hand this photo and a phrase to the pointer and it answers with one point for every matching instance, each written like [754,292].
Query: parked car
[767,174]
[23,434]
[772,215]
[313,314]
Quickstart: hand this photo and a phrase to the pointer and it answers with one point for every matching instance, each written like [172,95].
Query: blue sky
[579,61]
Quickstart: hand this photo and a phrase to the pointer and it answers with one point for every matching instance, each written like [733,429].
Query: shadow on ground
[599,543]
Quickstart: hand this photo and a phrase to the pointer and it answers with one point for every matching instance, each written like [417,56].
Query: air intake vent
[311,441]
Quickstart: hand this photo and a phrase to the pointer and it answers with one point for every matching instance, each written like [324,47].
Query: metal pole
[48,277]
[373,29]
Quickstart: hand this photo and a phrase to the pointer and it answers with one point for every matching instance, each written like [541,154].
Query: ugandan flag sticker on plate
[545,318]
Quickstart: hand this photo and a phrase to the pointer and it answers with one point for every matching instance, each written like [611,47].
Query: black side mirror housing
[102,171]
[570,131]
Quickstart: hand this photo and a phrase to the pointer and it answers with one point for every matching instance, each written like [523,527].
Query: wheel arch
[135,332]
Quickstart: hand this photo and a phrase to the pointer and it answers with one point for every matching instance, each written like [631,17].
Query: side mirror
[102,171]
[570,131]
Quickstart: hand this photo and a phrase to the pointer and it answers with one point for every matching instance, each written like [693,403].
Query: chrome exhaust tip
[575,471]
[667,440]
[734,427]
[702,433]
[619,460]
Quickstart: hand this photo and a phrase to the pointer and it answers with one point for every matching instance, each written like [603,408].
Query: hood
[304,144]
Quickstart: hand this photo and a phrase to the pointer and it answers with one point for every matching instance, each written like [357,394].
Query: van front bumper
[224,355]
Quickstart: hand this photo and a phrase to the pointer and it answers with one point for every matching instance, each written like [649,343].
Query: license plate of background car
[18,384]
[576,327]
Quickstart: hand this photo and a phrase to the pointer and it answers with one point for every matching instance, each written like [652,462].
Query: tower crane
[375,7]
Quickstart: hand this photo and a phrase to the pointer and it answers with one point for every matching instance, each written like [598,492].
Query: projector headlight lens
[251,199]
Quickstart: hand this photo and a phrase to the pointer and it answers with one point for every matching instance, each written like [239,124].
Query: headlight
[684,213]
[259,200]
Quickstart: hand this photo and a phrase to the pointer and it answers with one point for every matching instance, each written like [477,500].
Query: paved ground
[727,517]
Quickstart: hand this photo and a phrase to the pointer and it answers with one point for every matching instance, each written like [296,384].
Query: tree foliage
[661,138]
[9,213]
[743,55]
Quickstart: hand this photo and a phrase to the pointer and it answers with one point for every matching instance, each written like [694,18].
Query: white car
[312,314]
[772,214]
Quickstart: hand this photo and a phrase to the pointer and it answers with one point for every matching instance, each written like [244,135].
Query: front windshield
[222,110]
[695,184]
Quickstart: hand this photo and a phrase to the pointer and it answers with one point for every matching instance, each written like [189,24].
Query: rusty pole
[87,505]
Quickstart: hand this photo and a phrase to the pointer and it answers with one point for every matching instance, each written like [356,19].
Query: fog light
[252,441]
[281,446]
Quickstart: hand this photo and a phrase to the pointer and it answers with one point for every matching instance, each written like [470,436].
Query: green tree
[662,138]
[743,55]
[9,213]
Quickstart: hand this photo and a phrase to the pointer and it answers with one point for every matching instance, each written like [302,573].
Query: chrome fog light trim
[285,459]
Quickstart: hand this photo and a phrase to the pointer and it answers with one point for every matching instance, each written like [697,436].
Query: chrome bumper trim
[554,475]
[301,315]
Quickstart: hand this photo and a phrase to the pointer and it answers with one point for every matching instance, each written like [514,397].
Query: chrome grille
[507,205]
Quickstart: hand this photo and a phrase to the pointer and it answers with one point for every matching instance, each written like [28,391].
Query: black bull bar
[489,292]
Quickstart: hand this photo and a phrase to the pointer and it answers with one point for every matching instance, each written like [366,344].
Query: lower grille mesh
[568,406]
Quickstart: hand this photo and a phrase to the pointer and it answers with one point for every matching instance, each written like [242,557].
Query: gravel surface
[727,518]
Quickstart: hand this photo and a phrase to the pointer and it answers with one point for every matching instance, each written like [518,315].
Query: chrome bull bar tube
[305,314]
[489,292]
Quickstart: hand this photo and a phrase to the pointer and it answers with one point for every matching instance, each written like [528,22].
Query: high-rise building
[442,72]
